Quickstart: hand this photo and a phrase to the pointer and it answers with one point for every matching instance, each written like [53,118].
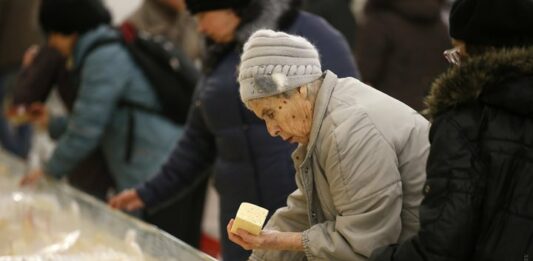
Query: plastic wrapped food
[57,222]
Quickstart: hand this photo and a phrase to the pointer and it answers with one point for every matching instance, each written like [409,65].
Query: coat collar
[319,112]
[87,39]
[483,75]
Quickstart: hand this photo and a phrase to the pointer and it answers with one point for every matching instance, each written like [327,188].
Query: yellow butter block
[250,218]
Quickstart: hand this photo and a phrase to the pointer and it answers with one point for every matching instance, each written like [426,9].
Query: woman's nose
[199,23]
[199,28]
[273,130]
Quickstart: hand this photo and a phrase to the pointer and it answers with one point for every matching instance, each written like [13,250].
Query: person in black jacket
[478,199]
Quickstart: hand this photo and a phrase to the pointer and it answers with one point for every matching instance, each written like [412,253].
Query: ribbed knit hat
[276,62]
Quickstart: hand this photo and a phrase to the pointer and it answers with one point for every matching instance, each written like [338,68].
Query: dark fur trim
[259,14]
[262,14]
[463,84]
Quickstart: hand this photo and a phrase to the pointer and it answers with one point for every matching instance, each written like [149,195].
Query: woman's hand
[29,55]
[268,239]
[38,115]
[127,200]
[32,178]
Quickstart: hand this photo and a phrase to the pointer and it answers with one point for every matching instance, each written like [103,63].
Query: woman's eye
[270,115]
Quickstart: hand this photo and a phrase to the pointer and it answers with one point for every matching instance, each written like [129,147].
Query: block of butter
[250,218]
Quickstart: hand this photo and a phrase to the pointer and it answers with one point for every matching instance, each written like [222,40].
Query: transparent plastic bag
[54,221]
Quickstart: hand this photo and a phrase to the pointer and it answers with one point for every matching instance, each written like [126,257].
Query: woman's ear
[302,90]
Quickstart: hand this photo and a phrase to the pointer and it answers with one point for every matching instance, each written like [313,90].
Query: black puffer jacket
[479,191]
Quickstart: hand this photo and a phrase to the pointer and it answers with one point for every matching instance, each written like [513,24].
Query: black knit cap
[500,23]
[72,16]
[198,6]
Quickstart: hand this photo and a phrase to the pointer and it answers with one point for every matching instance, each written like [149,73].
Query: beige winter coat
[359,178]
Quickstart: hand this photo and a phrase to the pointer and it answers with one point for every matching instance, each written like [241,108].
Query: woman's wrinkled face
[218,25]
[289,118]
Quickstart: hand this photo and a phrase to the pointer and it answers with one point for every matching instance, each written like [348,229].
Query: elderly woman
[360,161]
[247,163]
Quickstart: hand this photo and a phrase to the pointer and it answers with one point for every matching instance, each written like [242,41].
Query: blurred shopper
[248,164]
[182,217]
[360,161]
[478,200]
[338,13]
[48,70]
[44,70]
[18,31]
[169,18]
[108,77]
[399,48]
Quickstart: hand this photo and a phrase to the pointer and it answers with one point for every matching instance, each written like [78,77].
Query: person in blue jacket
[108,77]
[248,164]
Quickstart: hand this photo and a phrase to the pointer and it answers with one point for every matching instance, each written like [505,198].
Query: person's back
[405,132]
[477,196]
[399,50]
[496,130]
[135,143]
[18,31]
[170,19]
[338,14]
[15,139]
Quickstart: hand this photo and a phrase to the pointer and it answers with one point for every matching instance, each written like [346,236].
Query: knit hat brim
[276,62]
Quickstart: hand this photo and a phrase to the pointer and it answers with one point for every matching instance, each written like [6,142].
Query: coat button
[427,189]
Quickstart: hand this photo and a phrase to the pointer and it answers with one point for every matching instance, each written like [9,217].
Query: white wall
[121,8]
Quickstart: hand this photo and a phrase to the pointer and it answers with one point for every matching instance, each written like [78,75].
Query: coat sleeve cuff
[307,248]
[57,126]
[255,257]
[147,195]
[53,169]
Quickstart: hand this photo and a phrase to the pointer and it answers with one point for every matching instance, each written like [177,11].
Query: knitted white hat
[276,62]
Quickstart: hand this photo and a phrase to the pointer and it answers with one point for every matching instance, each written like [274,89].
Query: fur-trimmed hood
[265,14]
[259,14]
[503,79]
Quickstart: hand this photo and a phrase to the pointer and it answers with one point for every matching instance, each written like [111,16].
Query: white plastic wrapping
[57,222]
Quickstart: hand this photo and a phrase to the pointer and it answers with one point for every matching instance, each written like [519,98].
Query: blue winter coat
[248,164]
[108,76]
